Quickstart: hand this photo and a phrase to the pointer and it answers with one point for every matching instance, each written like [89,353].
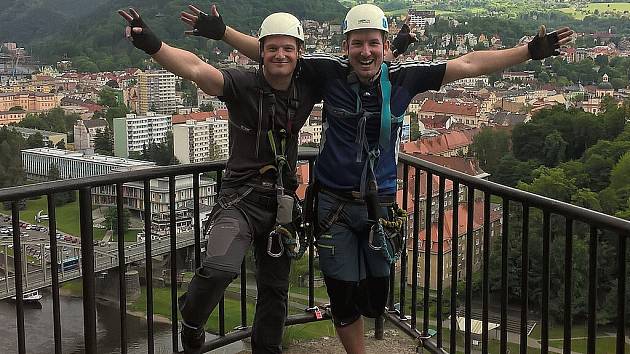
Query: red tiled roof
[222,113]
[197,116]
[436,145]
[478,216]
[449,108]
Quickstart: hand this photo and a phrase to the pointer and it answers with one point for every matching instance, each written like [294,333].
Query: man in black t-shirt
[267,109]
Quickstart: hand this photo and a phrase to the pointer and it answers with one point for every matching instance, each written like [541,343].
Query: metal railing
[465,190]
[513,204]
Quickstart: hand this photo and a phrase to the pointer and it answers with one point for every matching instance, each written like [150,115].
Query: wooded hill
[91,32]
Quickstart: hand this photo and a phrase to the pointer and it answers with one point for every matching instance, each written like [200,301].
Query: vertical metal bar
[222,317]
[592,292]
[470,244]
[544,343]
[416,227]
[524,280]
[428,244]
[621,293]
[311,246]
[148,264]
[486,272]
[505,230]
[403,256]
[122,269]
[440,259]
[54,264]
[197,221]
[244,294]
[379,326]
[173,246]
[17,272]
[454,266]
[87,264]
[568,280]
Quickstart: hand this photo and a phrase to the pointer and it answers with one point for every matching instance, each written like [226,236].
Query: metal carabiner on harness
[374,229]
[274,234]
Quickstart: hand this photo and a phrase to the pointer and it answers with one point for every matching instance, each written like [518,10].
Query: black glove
[145,40]
[211,27]
[544,45]
[402,41]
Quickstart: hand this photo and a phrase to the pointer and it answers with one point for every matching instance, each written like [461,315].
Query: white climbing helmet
[282,24]
[365,16]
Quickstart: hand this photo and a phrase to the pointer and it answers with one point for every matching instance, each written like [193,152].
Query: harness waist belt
[355,196]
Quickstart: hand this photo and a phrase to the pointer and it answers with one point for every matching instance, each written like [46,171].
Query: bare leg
[352,337]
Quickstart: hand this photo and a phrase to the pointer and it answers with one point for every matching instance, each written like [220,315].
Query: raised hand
[544,44]
[403,39]
[209,26]
[139,33]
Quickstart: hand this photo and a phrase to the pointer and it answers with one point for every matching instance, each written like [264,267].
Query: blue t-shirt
[337,166]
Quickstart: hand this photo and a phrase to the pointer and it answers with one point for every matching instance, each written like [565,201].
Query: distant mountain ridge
[92,30]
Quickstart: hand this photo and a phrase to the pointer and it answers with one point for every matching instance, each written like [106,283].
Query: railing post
[52,234]
[173,250]
[122,269]
[87,264]
[17,272]
[148,263]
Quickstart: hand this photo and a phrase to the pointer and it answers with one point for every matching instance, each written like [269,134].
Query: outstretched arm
[212,27]
[180,62]
[488,61]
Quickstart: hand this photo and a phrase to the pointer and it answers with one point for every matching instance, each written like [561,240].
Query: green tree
[489,146]
[554,149]
[206,107]
[35,141]
[61,198]
[61,144]
[414,127]
[104,141]
[111,220]
[108,97]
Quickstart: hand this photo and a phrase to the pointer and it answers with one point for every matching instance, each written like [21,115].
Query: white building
[156,91]
[220,138]
[197,141]
[71,164]
[37,162]
[472,82]
[133,132]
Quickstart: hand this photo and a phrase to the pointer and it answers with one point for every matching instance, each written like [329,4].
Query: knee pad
[373,297]
[342,301]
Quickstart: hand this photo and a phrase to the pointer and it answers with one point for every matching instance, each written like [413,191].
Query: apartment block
[133,132]
[198,141]
[156,92]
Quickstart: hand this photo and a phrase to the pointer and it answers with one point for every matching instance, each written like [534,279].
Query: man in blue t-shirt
[356,169]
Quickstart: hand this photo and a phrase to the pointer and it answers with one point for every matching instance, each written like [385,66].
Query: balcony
[477,297]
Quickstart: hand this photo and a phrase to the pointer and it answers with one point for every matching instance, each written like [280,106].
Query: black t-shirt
[250,148]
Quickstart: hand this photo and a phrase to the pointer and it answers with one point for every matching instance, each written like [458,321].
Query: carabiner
[270,244]
[371,238]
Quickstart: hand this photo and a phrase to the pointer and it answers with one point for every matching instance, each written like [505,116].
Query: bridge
[36,276]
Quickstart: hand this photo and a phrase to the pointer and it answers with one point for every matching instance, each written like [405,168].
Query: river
[38,323]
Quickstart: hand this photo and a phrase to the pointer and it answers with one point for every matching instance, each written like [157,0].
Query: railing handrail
[514,194]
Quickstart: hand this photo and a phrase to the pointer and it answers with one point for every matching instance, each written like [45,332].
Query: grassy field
[162,306]
[615,7]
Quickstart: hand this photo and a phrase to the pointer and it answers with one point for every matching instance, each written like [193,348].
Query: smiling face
[280,56]
[365,50]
